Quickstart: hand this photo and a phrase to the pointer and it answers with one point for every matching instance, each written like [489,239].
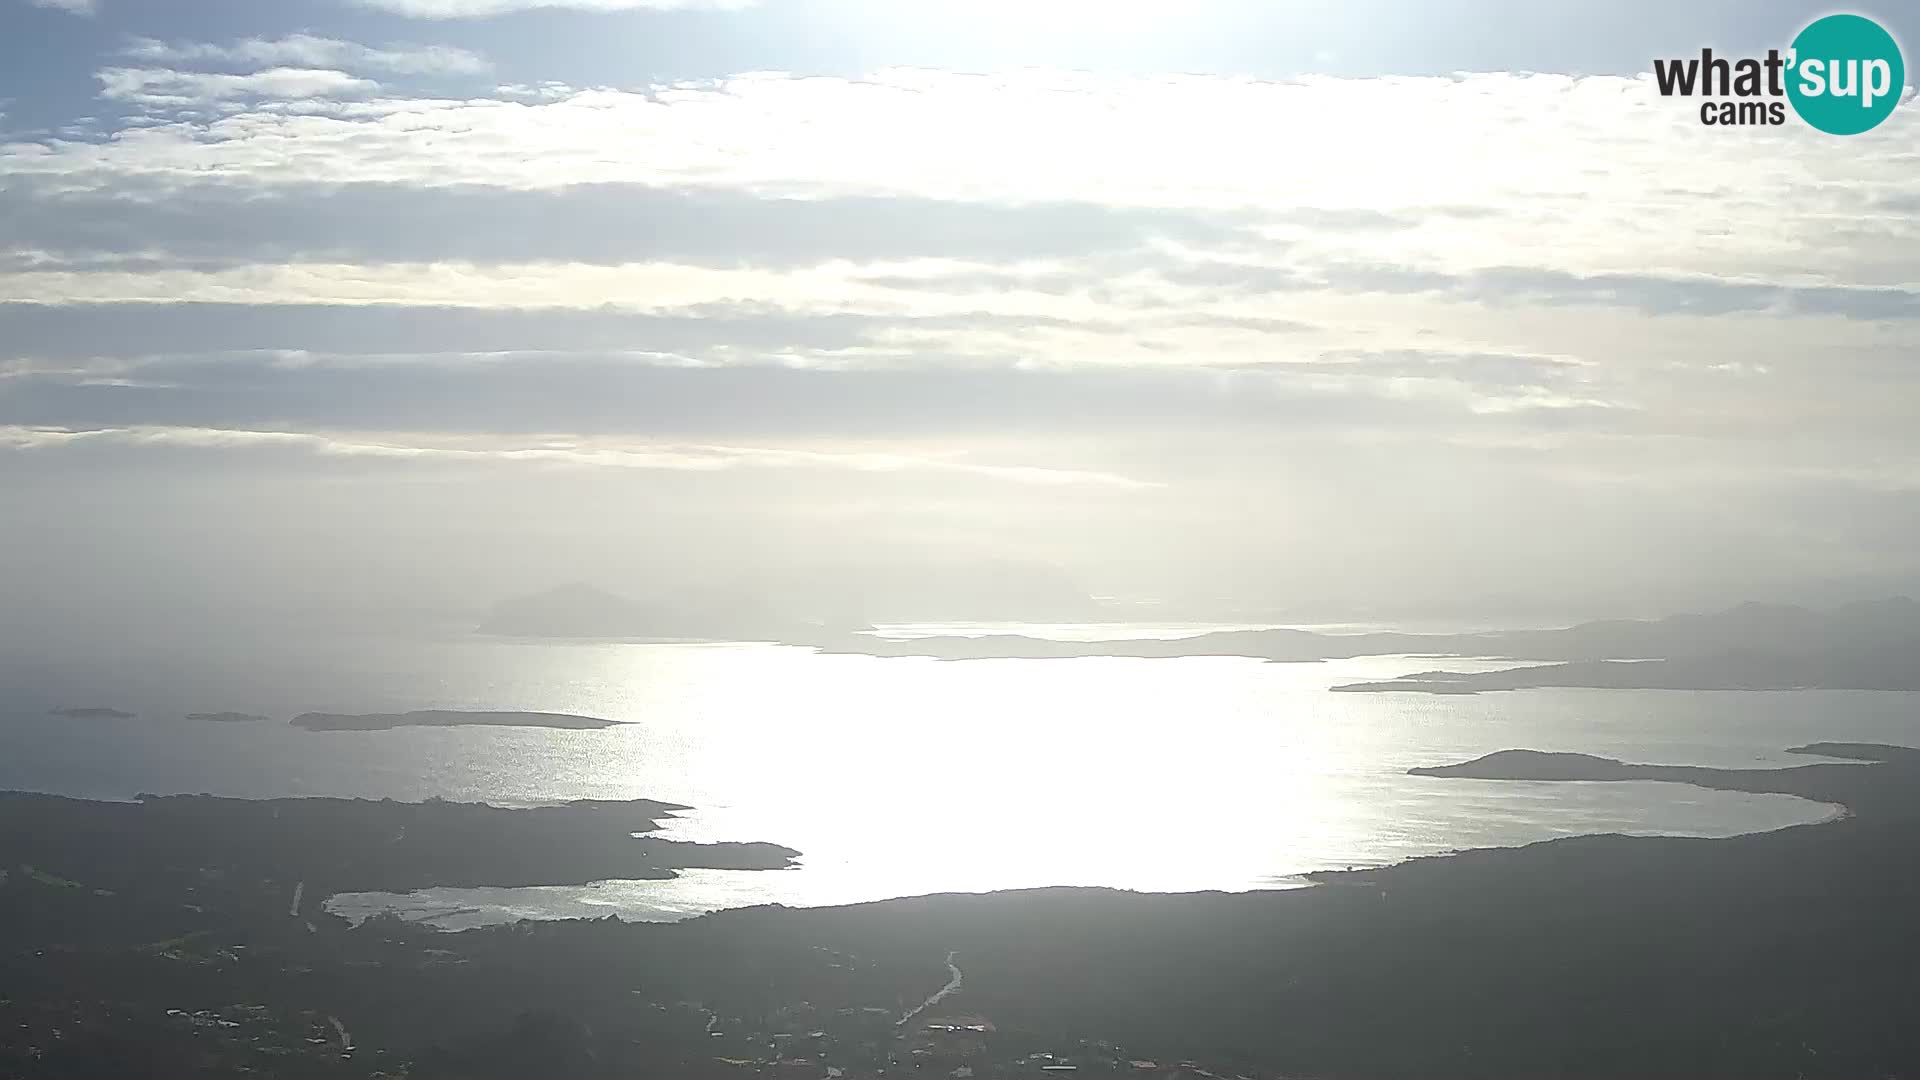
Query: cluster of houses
[865,1044]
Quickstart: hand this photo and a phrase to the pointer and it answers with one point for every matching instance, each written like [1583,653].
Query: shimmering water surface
[905,776]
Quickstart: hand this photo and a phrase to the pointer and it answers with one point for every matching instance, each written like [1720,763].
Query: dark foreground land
[160,942]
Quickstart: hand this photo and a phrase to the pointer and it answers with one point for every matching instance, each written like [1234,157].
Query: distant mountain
[798,602]
[585,611]
[576,610]
[932,590]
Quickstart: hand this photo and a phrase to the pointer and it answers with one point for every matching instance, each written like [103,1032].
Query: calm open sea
[905,776]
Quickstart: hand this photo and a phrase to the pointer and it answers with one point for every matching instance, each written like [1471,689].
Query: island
[321,721]
[71,713]
[227,717]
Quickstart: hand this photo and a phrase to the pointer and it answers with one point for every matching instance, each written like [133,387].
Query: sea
[904,776]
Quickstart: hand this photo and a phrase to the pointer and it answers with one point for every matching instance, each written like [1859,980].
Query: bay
[908,776]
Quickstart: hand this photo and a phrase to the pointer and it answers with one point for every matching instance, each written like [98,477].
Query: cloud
[309,51]
[214,224]
[76,7]
[1520,370]
[1651,294]
[773,255]
[170,88]
[474,9]
[652,393]
[1168,143]
[835,287]
[1671,294]
[563,452]
[181,327]
[1040,292]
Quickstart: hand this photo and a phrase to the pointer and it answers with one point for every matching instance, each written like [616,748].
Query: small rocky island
[92,714]
[320,721]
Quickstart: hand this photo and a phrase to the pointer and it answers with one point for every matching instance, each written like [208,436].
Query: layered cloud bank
[1227,299]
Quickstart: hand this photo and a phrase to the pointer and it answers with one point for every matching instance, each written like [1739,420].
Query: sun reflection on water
[907,776]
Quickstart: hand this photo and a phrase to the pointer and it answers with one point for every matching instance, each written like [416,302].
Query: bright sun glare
[1092,18]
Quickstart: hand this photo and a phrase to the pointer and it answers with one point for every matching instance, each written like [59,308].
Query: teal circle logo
[1846,74]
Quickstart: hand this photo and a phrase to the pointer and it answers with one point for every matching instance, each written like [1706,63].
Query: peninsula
[1870,667]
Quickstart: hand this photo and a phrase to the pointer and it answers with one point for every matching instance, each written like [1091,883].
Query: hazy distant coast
[1864,646]
[1763,633]
[1874,668]
[1867,645]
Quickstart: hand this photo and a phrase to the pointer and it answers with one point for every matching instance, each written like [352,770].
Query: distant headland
[1884,791]
[1864,645]
[1753,646]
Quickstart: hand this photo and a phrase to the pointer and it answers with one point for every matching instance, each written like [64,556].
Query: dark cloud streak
[214,225]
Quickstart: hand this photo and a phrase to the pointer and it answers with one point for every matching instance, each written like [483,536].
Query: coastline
[1453,965]
[670,893]
[644,905]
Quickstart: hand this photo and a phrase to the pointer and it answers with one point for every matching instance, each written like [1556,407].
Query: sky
[1323,310]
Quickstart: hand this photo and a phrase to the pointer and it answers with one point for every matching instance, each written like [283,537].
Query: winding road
[953,984]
